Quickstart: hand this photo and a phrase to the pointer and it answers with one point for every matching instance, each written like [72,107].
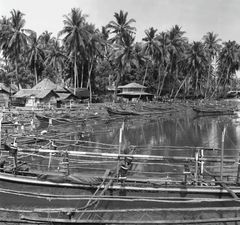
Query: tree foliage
[164,61]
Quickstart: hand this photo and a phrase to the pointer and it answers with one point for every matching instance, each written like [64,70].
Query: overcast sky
[196,17]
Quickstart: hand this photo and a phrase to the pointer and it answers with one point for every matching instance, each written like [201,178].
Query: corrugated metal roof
[132,85]
[24,93]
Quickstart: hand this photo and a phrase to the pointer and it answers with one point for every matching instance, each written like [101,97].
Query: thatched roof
[132,85]
[80,92]
[65,96]
[9,89]
[47,84]
[25,93]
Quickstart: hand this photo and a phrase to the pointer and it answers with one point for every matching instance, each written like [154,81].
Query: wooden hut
[35,98]
[134,91]
[6,93]
[81,93]
[64,94]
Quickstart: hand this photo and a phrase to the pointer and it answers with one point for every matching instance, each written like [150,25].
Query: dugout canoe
[113,112]
[202,111]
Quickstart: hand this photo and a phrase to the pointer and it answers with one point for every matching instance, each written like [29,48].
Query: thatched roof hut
[31,97]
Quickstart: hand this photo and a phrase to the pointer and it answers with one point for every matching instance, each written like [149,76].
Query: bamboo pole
[222,153]
[238,172]
[196,166]
[122,156]
[120,146]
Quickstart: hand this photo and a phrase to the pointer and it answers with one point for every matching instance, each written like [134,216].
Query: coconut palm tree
[196,64]
[163,56]
[177,46]
[75,38]
[16,39]
[123,56]
[55,57]
[94,50]
[35,53]
[228,62]
[212,48]
[150,47]
[45,39]
[121,26]
[4,33]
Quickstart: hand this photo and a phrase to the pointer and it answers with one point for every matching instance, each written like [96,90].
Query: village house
[45,92]
[5,94]
[63,93]
[134,91]
[81,93]
[35,98]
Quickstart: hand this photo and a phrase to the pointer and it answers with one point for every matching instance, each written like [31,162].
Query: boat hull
[24,196]
[212,112]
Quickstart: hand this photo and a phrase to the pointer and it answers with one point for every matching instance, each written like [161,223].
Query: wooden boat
[213,111]
[53,121]
[72,195]
[112,111]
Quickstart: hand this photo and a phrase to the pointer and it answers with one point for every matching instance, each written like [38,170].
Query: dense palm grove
[84,56]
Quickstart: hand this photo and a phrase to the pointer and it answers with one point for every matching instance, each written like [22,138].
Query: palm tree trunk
[218,83]
[208,80]
[145,75]
[75,73]
[163,81]
[116,86]
[180,86]
[35,72]
[196,84]
[89,80]
[16,71]
[82,76]
[159,79]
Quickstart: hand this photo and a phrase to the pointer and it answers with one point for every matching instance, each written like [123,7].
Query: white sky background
[196,17]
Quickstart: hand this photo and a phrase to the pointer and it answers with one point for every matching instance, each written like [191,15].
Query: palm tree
[55,56]
[75,38]
[177,45]
[4,33]
[228,62]
[93,51]
[196,64]
[16,38]
[123,56]
[163,56]
[150,47]
[212,48]
[121,26]
[123,40]
[35,53]
[45,39]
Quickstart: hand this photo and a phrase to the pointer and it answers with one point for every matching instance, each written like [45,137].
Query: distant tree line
[84,56]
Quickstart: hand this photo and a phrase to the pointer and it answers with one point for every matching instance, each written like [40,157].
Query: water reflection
[183,131]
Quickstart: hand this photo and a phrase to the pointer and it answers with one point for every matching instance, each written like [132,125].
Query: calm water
[185,129]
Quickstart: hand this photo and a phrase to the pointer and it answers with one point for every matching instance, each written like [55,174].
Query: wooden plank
[196,221]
